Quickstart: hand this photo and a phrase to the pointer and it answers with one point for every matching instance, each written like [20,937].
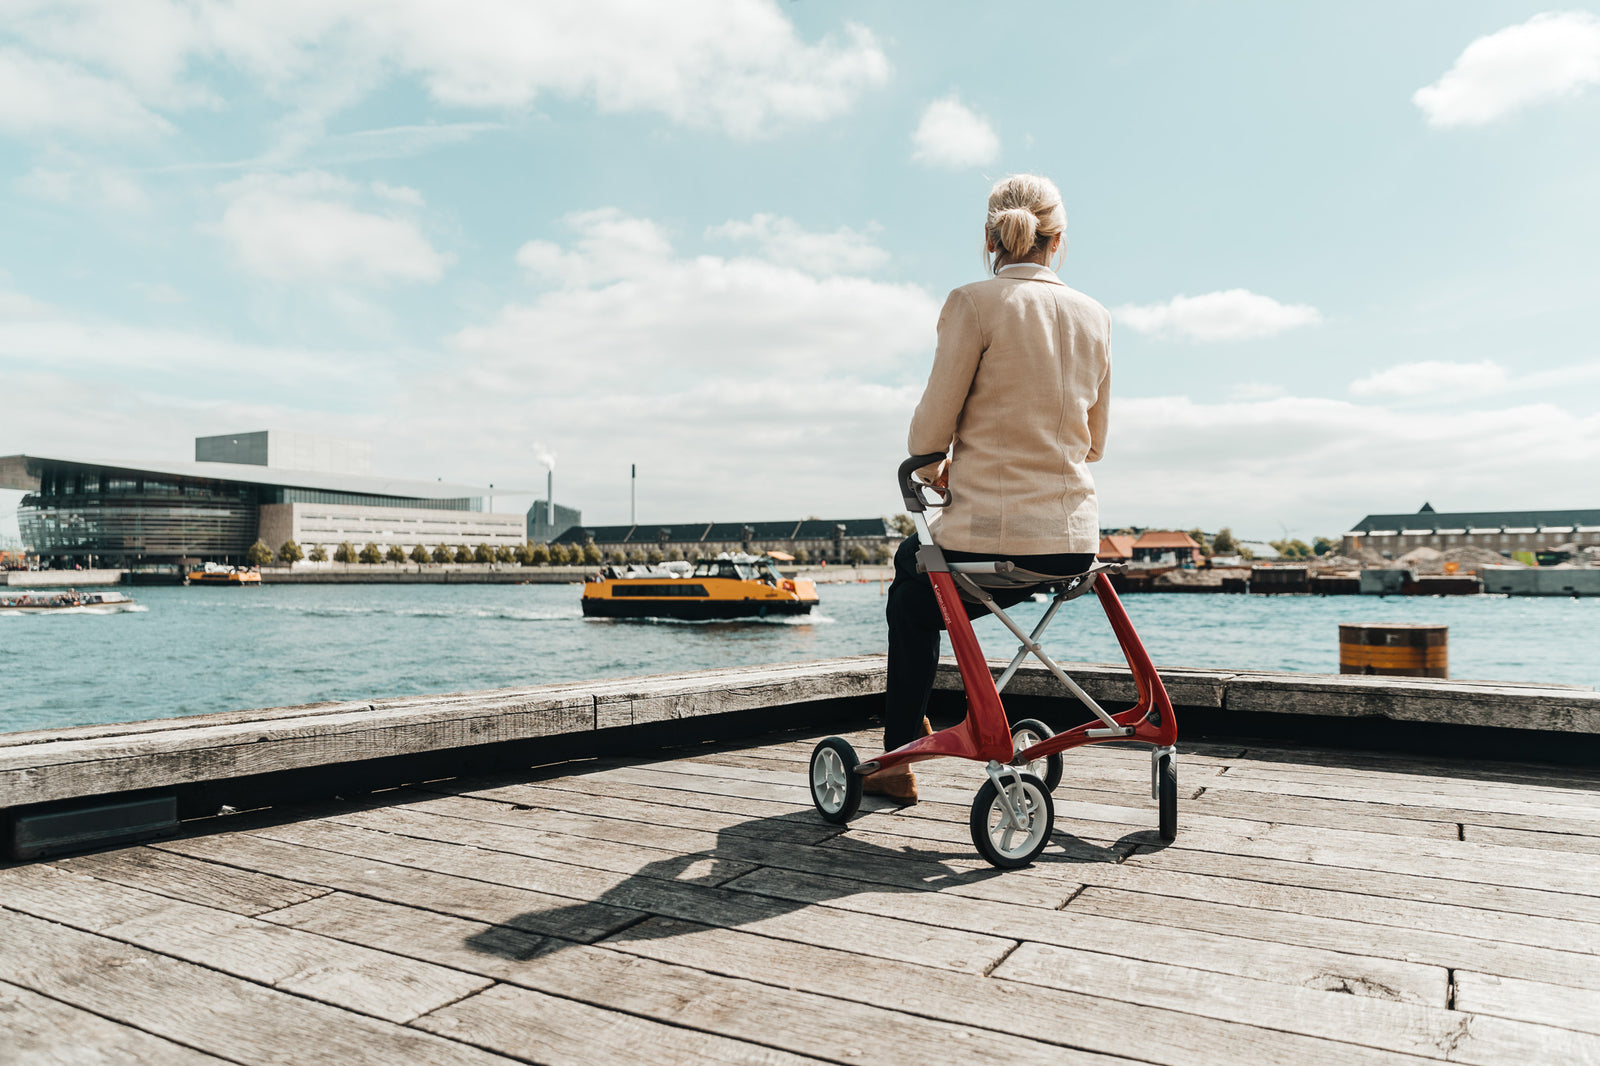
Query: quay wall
[193,766]
[52,579]
[398,574]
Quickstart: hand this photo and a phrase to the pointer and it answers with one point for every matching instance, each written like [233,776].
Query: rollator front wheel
[1006,841]
[1167,796]
[835,785]
[1024,735]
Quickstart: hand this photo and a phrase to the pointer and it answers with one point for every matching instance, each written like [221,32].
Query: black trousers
[915,623]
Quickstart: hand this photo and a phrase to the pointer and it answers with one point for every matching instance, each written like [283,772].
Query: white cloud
[739,66]
[1431,377]
[306,228]
[1234,314]
[609,246]
[950,134]
[782,240]
[75,181]
[1319,465]
[42,95]
[1552,55]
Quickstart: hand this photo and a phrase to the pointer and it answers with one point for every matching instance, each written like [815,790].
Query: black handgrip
[910,488]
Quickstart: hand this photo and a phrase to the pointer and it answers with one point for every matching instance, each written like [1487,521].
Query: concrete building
[811,539]
[89,511]
[1502,531]
[547,521]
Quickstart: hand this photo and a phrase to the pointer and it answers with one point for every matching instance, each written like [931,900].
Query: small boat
[213,574]
[72,599]
[729,586]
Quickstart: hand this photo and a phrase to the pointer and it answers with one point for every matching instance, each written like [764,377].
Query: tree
[558,554]
[1223,543]
[653,556]
[290,552]
[521,554]
[483,554]
[318,554]
[538,555]
[636,555]
[802,556]
[1199,538]
[419,555]
[258,553]
[504,553]
[395,554]
[882,554]
[1323,546]
[591,555]
[441,554]
[463,555]
[903,525]
[1291,549]
[857,554]
[370,554]
[344,553]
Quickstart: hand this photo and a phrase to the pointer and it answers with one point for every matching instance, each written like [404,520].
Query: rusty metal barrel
[1396,650]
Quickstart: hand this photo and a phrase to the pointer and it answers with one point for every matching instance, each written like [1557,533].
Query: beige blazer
[1019,393]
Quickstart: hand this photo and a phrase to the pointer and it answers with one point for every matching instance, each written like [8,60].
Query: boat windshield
[725,569]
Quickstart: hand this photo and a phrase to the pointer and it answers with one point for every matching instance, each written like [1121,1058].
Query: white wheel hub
[1010,836]
[828,780]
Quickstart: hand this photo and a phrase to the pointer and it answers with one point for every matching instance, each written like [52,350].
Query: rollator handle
[911,488]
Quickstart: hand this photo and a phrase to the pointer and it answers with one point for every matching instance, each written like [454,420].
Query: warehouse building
[1505,532]
[808,540]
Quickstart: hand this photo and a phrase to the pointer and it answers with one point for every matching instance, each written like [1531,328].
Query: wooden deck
[1317,907]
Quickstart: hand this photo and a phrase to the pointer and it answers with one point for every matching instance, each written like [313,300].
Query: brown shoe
[898,783]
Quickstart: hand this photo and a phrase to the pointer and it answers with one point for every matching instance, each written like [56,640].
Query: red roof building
[1157,543]
[1115,548]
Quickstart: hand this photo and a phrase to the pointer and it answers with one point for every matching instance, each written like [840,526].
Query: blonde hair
[1025,214]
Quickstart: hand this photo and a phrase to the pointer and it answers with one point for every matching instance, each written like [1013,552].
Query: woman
[1018,396]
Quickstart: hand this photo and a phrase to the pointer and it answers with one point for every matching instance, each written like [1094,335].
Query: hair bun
[1019,228]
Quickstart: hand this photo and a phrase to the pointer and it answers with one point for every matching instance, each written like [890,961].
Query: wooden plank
[1526,838]
[636,701]
[1361,811]
[796,827]
[1535,1001]
[244,892]
[624,852]
[728,854]
[1106,1022]
[1351,904]
[1423,776]
[39,1031]
[537,912]
[1430,789]
[560,1032]
[796,1021]
[330,971]
[204,1009]
[586,889]
[1454,951]
[1238,955]
[1225,804]
[1379,883]
[1356,761]
[1553,709]
[1433,1032]
[1457,860]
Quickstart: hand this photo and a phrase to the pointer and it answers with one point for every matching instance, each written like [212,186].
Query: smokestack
[633,494]
[550,497]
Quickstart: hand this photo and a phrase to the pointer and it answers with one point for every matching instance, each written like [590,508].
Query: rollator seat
[1005,576]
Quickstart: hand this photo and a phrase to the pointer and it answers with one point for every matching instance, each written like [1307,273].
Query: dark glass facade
[124,518]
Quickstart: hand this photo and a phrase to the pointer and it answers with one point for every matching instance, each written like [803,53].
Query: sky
[1349,250]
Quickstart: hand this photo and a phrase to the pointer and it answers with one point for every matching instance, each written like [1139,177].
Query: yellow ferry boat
[729,586]
[223,575]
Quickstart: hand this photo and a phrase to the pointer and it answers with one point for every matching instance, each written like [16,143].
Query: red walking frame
[1012,814]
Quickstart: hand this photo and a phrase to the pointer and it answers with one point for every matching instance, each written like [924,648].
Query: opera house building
[240,487]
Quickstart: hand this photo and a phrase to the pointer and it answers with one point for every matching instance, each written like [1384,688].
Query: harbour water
[199,650]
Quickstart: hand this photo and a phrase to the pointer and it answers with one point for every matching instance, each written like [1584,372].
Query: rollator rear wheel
[1025,734]
[835,785]
[1167,796]
[1003,843]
